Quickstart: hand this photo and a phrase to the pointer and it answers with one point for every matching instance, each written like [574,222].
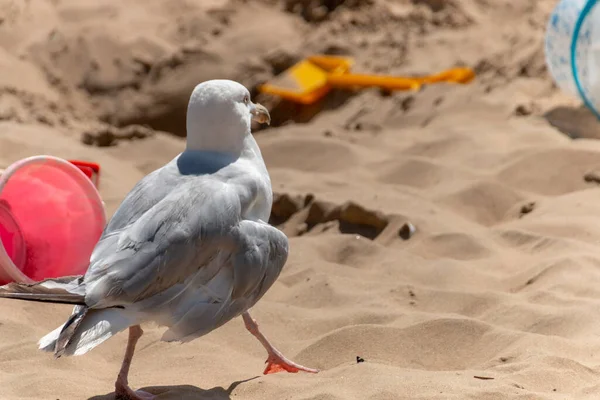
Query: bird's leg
[276,362]
[122,389]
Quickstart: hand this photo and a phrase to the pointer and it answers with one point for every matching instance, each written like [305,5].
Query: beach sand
[495,296]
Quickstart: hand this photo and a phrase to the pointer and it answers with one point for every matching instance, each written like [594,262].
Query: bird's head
[219,115]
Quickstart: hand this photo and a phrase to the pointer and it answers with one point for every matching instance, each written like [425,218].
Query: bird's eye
[246,99]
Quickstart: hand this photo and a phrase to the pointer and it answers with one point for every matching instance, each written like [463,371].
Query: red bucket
[51,217]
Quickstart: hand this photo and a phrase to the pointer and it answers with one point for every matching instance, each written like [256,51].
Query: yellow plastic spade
[311,79]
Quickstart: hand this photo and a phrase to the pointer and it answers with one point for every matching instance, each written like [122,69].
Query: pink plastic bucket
[51,217]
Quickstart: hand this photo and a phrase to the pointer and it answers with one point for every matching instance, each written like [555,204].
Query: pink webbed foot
[278,363]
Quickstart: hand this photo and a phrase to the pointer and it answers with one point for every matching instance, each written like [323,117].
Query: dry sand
[496,296]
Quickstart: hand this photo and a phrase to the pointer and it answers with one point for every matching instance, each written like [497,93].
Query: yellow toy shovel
[311,79]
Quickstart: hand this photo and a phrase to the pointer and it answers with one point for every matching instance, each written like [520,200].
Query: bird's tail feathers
[86,329]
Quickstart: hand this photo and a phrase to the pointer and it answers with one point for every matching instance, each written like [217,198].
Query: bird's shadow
[184,392]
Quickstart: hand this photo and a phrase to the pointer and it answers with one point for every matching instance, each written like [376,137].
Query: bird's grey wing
[145,194]
[254,265]
[156,185]
[186,238]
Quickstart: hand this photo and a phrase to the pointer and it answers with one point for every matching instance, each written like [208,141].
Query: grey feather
[65,290]
[68,330]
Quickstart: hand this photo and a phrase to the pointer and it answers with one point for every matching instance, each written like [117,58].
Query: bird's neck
[225,142]
[229,147]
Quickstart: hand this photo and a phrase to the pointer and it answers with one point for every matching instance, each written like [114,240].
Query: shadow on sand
[575,122]
[184,392]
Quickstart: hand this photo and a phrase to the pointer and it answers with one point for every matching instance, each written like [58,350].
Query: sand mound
[492,296]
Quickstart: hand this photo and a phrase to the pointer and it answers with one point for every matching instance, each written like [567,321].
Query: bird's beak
[260,114]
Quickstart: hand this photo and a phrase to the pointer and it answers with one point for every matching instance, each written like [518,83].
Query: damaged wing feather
[66,290]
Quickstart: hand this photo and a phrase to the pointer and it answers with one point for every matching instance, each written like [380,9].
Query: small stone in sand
[592,176]
[526,209]
[407,231]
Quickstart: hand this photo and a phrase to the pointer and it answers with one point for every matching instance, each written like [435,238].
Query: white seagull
[189,248]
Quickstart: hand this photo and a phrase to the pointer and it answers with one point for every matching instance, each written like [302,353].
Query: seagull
[189,248]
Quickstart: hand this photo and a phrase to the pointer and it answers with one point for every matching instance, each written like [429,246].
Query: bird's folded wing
[144,195]
[171,243]
[260,254]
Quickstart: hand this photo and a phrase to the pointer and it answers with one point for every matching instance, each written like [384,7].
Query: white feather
[96,327]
